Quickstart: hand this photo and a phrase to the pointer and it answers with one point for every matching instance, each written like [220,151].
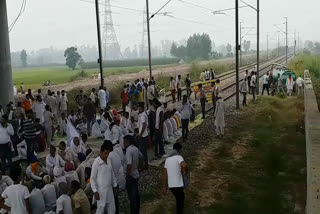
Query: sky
[63,23]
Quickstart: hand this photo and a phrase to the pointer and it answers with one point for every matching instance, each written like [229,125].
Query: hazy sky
[62,23]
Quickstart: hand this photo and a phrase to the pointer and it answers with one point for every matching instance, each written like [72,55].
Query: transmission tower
[143,52]
[111,47]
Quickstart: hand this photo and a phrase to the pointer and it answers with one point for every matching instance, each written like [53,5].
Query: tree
[72,57]
[199,46]
[23,57]
[229,48]
[173,50]
[309,45]
[246,45]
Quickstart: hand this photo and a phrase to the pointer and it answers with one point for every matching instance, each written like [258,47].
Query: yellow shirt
[80,202]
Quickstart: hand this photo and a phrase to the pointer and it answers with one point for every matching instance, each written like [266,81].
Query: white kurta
[39,109]
[219,113]
[290,84]
[102,99]
[50,164]
[102,181]
[115,161]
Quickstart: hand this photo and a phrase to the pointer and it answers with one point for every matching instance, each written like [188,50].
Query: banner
[207,87]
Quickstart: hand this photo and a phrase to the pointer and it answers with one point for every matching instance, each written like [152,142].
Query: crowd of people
[73,178]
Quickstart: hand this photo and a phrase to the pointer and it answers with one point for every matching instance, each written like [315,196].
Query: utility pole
[278,44]
[6,84]
[149,39]
[295,41]
[286,40]
[258,44]
[267,46]
[240,44]
[237,55]
[298,41]
[100,61]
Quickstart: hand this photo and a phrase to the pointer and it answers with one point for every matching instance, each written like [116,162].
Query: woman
[185,110]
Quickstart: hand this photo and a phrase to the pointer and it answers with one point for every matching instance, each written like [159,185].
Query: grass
[267,178]
[34,77]
[311,63]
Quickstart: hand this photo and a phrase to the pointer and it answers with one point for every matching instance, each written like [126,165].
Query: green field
[34,77]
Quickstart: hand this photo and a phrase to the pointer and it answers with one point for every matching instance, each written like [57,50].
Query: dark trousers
[179,195]
[189,92]
[244,102]
[132,186]
[179,94]
[143,146]
[30,147]
[185,128]
[203,107]
[124,107]
[173,95]
[5,155]
[158,147]
[116,203]
[90,122]
[253,90]
[265,87]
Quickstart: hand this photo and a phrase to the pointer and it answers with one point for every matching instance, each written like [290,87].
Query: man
[132,180]
[52,103]
[102,98]
[265,79]
[300,83]
[244,90]
[202,76]
[27,103]
[253,85]
[89,111]
[39,108]
[30,133]
[5,181]
[150,92]
[17,195]
[81,99]
[103,182]
[143,135]
[80,202]
[179,88]
[219,117]
[174,170]
[207,75]
[124,97]
[94,97]
[202,97]
[290,84]
[64,205]
[188,86]
[22,88]
[279,84]
[48,117]
[108,96]
[36,198]
[117,164]
[6,131]
[49,194]
[173,89]
[159,147]
[249,80]
[212,74]
[63,105]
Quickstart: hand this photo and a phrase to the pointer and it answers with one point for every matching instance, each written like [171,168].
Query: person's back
[80,202]
[172,164]
[64,205]
[37,202]
[16,196]
[49,196]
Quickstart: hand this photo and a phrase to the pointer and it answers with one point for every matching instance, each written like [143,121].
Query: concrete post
[6,84]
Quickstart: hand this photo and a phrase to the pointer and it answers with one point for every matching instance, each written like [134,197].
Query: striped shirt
[29,129]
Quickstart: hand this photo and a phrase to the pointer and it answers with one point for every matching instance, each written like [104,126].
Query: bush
[79,75]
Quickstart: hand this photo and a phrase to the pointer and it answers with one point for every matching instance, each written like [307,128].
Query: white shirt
[116,163]
[299,82]
[53,103]
[253,80]
[265,79]
[63,103]
[16,195]
[159,110]
[64,204]
[173,167]
[5,182]
[143,118]
[103,180]
[59,161]
[178,83]
[172,85]
[37,202]
[102,98]
[49,196]
[30,174]
[150,91]
[51,161]
[5,134]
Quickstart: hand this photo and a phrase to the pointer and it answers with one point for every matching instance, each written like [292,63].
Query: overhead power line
[22,9]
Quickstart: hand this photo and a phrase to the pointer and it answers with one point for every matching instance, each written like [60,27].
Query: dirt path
[114,79]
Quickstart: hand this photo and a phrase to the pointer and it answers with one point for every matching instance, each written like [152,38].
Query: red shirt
[124,97]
